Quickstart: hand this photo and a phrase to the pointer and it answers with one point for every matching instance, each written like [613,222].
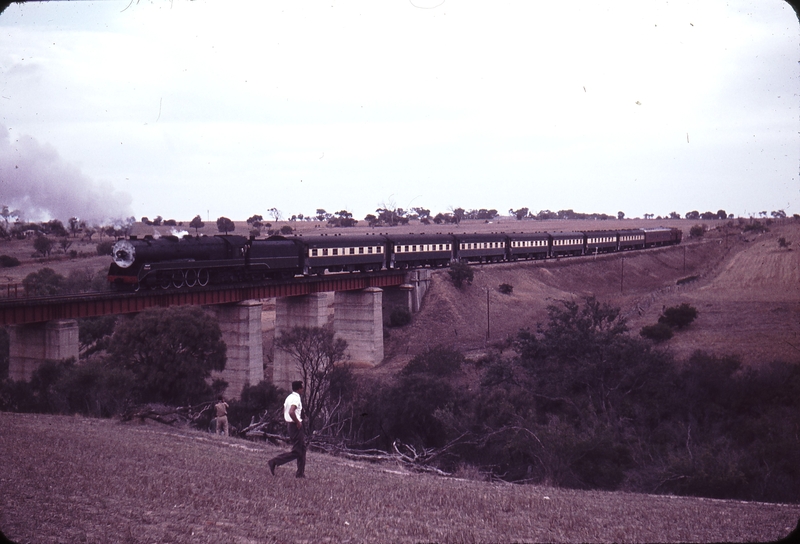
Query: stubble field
[71,479]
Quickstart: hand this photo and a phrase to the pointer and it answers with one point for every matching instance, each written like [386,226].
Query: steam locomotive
[169,262]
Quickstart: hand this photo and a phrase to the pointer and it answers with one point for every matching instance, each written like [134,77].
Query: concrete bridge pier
[298,311]
[240,324]
[358,319]
[32,344]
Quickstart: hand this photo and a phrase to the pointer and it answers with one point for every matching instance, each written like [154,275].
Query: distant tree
[778,214]
[7,214]
[157,221]
[253,219]
[520,214]
[674,215]
[342,218]
[782,243]
[286,230]
[316,352]
[145,220]
[697,231]
[225,225]
[371,219]
[708,216]
[693,215]
[172,353]
[506,288]
[276,214]
[197,224]
[74,225]
[461,273]
[43,245]
[722,214]
[422,213]
[458,215]
[322,215]
[64,243]
[678,316]
[55,227]
[620,215]
[44,282]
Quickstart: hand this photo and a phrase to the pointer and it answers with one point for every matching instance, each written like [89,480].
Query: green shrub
[678,316]
[506,288]
[659,332]
[400,317]
[104,247]
[8,262]
[461,273]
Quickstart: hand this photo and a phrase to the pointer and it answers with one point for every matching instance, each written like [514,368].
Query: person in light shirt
[293,415]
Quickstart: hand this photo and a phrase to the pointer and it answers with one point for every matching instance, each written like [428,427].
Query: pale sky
[178,108]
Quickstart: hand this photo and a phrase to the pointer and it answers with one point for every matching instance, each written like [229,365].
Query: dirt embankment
[746,289]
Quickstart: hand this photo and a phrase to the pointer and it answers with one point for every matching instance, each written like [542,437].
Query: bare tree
[317,352]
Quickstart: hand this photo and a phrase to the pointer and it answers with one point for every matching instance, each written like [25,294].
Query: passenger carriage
[531,245]
[601,241]
[419,250]
[480,248]
[631,239]
[567,243]
[343,253]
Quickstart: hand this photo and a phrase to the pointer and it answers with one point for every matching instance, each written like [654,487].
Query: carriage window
[335,251]
[413,248]
[352,251]
[361,250]
[369,249]
[313,252]
[325,251]
[380,249]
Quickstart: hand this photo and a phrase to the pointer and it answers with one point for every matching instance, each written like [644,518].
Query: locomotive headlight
[123,253]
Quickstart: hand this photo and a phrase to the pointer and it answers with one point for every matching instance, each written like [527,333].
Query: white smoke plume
[35,180]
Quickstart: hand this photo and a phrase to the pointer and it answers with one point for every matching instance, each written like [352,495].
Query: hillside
[746,288]
[70,479]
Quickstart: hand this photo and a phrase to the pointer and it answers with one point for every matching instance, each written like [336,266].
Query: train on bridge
[169,262]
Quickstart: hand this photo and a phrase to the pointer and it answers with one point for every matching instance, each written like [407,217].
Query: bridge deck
[18,311]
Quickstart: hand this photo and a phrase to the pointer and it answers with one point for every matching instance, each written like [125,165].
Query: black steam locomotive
[169,262]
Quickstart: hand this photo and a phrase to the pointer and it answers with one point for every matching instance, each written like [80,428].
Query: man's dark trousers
[297,437]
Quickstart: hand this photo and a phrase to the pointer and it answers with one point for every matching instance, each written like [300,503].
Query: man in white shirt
[292,414]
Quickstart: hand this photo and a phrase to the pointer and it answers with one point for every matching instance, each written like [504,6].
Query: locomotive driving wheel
[178,279]
[202,277]
[190,277]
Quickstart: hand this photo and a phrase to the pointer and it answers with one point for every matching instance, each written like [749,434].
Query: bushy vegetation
[579,403]
[583,404]
[8,262]
[399,317]
[461,273]
[506,288]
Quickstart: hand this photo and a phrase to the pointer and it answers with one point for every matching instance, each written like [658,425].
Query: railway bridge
[46,328]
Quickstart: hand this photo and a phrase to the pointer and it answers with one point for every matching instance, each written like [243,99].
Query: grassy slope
[70,479]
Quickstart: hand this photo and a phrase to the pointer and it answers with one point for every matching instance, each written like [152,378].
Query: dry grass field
[74,480]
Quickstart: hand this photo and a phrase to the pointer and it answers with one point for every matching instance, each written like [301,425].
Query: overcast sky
[178,108]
